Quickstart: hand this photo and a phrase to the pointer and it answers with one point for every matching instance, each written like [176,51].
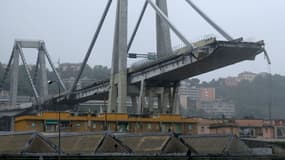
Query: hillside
[253,98]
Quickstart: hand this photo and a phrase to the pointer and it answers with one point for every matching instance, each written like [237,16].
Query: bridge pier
[118,82]
[135,103]
[174,106]
[142,97]
[151,96]
[163,41]
[39,85]
[164,49]
[43,84]
[14,77]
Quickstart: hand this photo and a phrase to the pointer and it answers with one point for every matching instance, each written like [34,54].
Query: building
[224,128]
[185,89]
[256,128]
[190,96]
[203,125]
[218,108]
[207,94]
[132,123]
[69,66]
[279,128]
[245,128]
[100,106]
[47,122]
[92,106]
[231,81]
[248,76]
[234,81]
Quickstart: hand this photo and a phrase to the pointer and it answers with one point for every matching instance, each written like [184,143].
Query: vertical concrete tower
[38,82]
[43,84]
[118,82]
[163,49]
[14,77]
[163,41]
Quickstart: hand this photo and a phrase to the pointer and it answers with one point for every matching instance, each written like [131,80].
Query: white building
[218,108]
[249,76]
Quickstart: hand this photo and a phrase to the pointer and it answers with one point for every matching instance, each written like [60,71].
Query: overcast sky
[67,27]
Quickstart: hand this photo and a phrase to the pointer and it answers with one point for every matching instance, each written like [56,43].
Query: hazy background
[67,27]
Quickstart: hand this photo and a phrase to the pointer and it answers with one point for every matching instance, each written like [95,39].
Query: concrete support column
[165,99]
[118,91]
[173,101]
[113,93]
[151,96]
[12,123]
[163,40]
[159,103]
[134,103]
[164,48]
[160,99]
[141,104]
[43,85]
[14,78]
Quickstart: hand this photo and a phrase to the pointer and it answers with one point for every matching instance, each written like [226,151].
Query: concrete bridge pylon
[118,82]
[38,80]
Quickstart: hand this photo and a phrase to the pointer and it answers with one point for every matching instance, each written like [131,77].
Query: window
[138,125]
[64,124]
[33,125]
[149,126]
[247,132]
[94,125]
[189,127]
[258,132]
[50,128]
[157,127]
[202,129]
[178,128]
[280,132]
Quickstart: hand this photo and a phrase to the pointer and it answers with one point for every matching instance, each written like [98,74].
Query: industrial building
[47,122]
[100,145]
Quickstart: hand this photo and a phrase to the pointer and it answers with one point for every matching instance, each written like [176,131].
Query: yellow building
[47,122]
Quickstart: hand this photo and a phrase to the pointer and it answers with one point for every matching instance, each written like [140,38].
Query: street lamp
[59,120]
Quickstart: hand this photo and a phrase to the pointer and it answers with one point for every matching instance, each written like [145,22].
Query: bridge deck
[177,67]
[220,54]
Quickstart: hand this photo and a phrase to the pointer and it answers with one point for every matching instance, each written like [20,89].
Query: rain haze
[67,27]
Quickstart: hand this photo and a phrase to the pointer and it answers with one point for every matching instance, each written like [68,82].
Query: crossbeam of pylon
[91,46]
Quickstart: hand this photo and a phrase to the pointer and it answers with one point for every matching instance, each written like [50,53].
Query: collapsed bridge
[157,80]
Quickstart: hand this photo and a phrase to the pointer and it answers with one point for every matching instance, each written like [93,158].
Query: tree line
[256,98]
[96,73]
